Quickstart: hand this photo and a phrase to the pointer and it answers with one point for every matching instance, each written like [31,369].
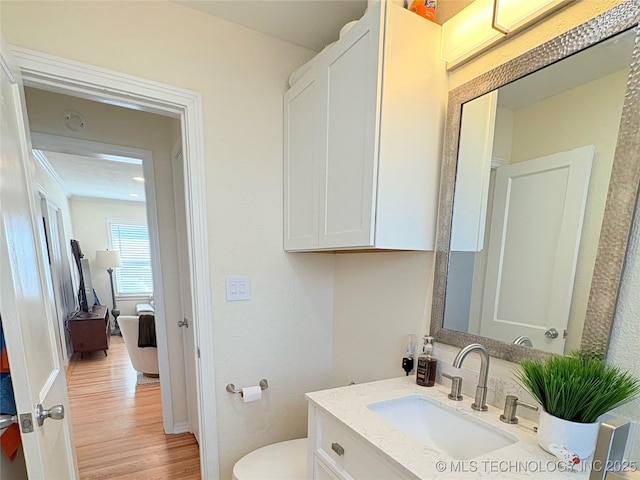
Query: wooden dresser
[91,331]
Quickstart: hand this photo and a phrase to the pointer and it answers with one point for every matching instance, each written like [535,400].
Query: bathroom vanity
[376,431]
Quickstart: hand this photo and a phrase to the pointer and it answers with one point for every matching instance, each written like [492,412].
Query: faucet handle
[456,387]
[511,403]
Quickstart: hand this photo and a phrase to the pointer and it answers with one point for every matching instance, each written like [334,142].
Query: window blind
[132,241]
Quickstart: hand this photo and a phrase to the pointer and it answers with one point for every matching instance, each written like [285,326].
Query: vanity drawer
[323,472]
[349,457]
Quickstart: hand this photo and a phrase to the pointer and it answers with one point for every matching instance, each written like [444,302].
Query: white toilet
[278,461]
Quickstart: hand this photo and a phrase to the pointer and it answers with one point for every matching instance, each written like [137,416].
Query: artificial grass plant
[576,387]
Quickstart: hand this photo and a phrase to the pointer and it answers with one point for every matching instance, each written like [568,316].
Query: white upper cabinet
[301,177]
[363,130]
[473,175]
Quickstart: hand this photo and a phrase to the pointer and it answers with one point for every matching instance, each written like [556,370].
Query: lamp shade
[108,259]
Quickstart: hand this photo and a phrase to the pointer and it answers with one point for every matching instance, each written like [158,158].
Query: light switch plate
[238,288]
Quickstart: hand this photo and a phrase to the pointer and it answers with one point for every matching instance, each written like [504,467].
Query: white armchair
[144,360]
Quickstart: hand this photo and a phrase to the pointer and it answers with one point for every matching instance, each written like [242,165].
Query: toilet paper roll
[251,394]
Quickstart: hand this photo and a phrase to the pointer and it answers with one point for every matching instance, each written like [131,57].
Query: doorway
[112,205]
[60,75]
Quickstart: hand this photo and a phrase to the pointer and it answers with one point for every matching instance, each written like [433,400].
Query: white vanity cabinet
[335,453]
[363,129]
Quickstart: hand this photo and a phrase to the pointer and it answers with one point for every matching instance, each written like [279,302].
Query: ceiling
[609,56]
[309,23]
[95,177]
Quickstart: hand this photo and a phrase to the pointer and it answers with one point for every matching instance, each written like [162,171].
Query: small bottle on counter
[427,364]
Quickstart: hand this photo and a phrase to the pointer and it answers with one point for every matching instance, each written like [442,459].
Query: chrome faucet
[524,341]
[480,403]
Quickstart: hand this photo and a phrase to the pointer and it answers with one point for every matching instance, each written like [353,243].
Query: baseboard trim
[181,428]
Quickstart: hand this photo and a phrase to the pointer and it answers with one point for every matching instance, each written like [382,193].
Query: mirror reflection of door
[537,217]
[560,108]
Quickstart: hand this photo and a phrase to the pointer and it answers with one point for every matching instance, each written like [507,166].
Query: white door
[38,376]
[189,319]
[536,226]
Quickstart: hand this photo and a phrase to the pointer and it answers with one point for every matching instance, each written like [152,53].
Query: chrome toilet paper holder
[231,388]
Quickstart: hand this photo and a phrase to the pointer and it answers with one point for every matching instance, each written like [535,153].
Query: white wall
[284,333]
[623,349]
[503,134]
[379,299]
[89,217]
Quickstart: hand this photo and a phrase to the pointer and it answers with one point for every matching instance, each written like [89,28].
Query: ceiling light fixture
[138,179]
[134,195]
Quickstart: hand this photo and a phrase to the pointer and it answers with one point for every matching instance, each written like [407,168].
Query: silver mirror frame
[621,198]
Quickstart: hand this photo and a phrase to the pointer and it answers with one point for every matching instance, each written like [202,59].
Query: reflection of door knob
[551,333]
[56,413]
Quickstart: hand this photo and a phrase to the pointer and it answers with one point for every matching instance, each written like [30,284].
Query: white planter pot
[579,438]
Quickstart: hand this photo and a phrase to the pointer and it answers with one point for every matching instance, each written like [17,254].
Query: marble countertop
[523,459]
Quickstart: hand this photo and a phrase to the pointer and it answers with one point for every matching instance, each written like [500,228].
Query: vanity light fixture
[485,22]
[138,179]
[512,15]
[469,32]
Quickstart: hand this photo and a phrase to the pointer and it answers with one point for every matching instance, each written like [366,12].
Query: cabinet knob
[336,447]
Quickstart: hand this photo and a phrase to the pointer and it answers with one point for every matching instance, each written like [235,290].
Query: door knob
[551,333]
[56,413]
[183,323]
[6,420]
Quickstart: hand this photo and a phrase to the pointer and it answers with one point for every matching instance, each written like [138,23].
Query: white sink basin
[458,436]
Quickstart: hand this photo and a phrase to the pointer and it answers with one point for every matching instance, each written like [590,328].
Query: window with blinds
[131,239]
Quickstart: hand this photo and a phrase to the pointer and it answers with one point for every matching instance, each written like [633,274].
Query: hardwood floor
[117,425]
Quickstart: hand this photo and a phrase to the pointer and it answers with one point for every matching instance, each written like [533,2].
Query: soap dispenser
[407,360]
[427,364]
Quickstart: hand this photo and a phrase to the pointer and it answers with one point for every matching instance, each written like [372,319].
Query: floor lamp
[110,259]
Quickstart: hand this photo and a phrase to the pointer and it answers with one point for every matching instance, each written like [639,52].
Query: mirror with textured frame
[539,182]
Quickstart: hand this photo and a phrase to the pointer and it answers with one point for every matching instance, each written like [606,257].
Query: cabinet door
[473,172]
[301,164]
[349,155]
